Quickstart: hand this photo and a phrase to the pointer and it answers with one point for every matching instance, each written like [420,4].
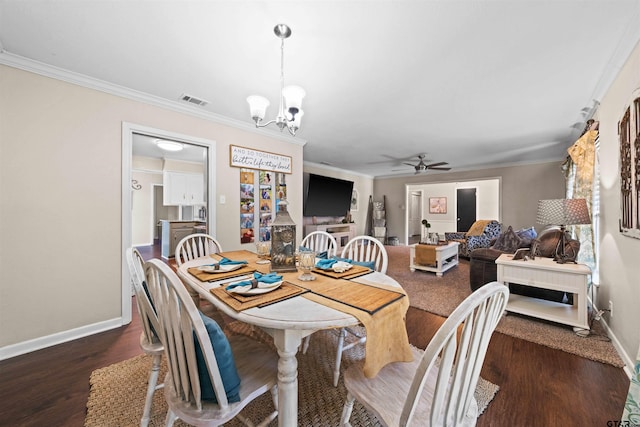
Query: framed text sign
[242,157]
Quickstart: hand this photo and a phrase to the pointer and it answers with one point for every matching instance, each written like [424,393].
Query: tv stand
[341,232]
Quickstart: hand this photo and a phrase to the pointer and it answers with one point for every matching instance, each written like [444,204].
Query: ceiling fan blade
[437,164]
[440,169]
[410,164]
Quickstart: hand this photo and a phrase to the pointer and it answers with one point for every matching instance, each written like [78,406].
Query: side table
[545,273]
[446,258]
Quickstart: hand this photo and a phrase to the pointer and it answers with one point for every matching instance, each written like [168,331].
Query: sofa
[480,235]
[483,269]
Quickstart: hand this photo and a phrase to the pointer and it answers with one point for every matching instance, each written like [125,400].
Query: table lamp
[563,212]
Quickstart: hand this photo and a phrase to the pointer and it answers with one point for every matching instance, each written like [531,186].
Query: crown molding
[47,70]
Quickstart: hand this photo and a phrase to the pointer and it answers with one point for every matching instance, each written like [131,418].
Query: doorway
[415,217]
[129,132]
[466,208]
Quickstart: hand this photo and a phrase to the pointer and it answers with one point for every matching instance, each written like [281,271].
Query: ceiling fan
[421,166]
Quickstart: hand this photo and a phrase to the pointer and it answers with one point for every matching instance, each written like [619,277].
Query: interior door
[415,213]
[465,208]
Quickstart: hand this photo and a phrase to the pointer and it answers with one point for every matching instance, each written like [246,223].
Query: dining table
[298,308]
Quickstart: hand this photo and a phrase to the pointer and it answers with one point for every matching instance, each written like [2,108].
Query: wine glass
[307,260]
[263,250]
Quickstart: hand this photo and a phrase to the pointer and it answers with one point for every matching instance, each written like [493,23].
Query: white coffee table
[446,258]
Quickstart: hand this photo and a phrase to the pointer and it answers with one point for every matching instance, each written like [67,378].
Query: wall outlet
[610,308]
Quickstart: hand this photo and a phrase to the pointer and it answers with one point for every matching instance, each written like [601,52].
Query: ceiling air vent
[193,100]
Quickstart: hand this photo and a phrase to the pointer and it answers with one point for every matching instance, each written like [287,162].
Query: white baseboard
[24,347]
[629,363]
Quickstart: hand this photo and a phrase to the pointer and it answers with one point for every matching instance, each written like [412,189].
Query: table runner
[425,254]
[386,330]
[387,339]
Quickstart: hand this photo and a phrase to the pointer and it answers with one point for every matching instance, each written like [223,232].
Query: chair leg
[305,344]
[151,388]
[336,368]
[346,411]
[171,418]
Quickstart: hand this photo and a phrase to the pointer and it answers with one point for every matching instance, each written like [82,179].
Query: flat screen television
[327,196]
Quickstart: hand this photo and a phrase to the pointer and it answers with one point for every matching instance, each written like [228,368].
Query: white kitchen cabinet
[181,188]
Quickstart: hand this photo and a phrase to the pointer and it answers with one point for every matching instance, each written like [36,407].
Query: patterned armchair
[480,235]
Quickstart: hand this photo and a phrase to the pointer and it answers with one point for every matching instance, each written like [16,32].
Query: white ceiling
[473,83]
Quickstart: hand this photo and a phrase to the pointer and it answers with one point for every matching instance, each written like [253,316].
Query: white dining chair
[231,373]
[362,249]
[320,241]
[195,246]
[149,340]
[437,388]
[367,249]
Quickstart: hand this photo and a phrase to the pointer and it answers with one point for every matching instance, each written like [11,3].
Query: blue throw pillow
[527,235]
[226,364]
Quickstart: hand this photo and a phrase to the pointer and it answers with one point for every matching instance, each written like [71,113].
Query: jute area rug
[117,392]
[441,295]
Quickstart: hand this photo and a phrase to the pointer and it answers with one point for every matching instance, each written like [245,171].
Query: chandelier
[290,111]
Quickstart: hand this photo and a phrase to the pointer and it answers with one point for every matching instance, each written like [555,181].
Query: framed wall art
[437,205]
[629,131]
[354,201]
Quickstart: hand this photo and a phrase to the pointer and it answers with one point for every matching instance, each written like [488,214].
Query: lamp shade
[563,212]
[258,106]
[293,97]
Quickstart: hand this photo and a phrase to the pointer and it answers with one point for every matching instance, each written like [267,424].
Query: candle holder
[307,260]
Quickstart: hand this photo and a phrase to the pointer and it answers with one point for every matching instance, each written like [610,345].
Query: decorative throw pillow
[527,235]
[508,241]
[477,228]
[225,360]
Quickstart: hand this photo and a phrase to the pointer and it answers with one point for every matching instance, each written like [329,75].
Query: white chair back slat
[458,359]
[195,246]
[147,313]
[367,249]
[320,241]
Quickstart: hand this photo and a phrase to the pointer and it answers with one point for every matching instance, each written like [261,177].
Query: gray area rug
[441,295]
[117,392]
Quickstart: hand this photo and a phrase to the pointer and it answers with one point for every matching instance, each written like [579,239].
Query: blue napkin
[227,261]
[326,264]
[264,278]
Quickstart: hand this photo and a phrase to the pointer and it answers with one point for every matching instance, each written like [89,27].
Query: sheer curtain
[582,182]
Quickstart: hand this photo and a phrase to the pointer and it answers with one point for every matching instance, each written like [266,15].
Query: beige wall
[619,270]
[522,187]
[60,199]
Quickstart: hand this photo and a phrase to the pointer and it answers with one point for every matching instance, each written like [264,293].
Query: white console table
[341,232]
[545,273]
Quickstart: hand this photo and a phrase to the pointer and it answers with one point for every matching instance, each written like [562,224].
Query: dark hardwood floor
[539,386]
